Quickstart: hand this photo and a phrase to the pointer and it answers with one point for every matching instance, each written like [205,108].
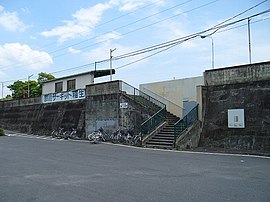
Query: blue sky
[51,36]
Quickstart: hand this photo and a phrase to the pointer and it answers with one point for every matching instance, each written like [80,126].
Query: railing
[170,105]
[140,96]
[151,103]
[185,122]
[150,124]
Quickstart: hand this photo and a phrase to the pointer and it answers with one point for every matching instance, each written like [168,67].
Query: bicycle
[96,136]
[58,133]
[73,134]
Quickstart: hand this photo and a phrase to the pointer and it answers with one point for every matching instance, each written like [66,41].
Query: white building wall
[175,91]
[81,82]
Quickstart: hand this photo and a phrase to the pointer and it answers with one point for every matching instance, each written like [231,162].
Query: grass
[2,132]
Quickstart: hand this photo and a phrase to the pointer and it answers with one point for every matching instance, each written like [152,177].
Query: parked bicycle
[122,137]
[73,134]
[60,133]
[97,136]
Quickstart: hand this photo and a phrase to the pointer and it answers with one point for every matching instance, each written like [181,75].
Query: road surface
[45,169]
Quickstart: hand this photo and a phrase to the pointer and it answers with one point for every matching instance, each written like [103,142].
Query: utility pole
[28,92]
[2,90]
[249,41]
[111,50]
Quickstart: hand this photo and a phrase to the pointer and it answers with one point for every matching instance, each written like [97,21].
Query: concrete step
[160,142]
[160,146]
[163,137]
[165,133]
[170,130]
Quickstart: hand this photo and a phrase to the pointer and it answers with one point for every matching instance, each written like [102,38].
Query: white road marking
[143,148]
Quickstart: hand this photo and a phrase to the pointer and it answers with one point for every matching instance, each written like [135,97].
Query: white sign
[236,118]
[64,96]
[123,105]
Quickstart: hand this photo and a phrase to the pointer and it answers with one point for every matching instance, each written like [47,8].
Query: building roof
[96,73]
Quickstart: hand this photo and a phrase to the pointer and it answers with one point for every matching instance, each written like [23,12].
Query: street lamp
[2,90]
[29,85]
[111,50]
[213,65]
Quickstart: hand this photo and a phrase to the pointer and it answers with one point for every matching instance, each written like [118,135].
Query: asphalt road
[34,169]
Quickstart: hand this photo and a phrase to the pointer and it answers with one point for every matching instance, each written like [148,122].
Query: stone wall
[41,119]
[103,109]
[238,74]
[245,87]
[190,138]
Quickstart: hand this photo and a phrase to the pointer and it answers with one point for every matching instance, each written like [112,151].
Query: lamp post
[249,41]
[28,92]
[2,90]
[111,51]
[213,63]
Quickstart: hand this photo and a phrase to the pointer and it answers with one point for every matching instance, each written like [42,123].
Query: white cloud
[22,55]
[102,52]
[11,21]
[73,50]
[107,38]
[129,5]
[84,21]
[25,10]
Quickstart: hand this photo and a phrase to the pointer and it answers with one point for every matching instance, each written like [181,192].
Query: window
[58,87]
[71,85]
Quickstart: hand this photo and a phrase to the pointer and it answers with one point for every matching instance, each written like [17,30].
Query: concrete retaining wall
[238,74]
[41,119]
[190,138]
[245,87]
[101,108]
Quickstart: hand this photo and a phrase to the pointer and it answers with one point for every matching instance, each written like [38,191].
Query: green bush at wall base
[2,132]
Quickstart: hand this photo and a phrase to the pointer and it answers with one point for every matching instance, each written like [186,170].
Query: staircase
[164,138]
[162,128]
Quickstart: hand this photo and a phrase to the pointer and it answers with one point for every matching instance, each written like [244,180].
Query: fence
[137,95]
[170,106]
[150,124]
[185,122]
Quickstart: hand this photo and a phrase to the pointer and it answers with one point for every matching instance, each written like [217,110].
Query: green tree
[42,76]
[19,89]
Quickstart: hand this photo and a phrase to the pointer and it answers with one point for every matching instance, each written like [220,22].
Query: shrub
[2,132]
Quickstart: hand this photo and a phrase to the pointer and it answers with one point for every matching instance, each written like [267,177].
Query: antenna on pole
[111,50]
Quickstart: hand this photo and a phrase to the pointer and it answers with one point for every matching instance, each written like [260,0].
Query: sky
[70,37]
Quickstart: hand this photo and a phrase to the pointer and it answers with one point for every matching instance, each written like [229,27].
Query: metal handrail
[185,122]
[170,105]
[135,94]
[150,124]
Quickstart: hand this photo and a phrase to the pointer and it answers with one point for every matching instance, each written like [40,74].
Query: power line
[170,44]
[165,45]
[144,26]
[175,41]
[173,45]
[167,48]
[100,25]
[151,24]
[132,31]
[235,16]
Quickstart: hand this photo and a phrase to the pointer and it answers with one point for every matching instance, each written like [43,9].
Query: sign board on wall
[64,96]
[236,118]
[123,105]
